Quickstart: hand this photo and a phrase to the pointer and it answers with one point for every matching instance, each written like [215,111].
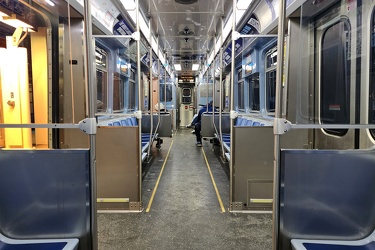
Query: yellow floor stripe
[214,183]
[157,182]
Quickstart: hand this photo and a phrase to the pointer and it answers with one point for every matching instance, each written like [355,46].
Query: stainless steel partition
[252,168]
[118,168]
[46,194]
[253,165]
[208,129]
[165,126]
[326,194]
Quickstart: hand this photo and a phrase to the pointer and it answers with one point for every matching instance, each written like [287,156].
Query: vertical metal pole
[165,85]
[158,83]
[278,114]
[232,101]
[221,89]
[90,76]
[213,87]
[151,107]
[140,100]
[208,89]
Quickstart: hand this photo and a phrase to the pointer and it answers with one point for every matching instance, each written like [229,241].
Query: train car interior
[187,124]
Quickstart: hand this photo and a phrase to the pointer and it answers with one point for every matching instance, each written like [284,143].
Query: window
[186,92]
[254,93]
[131,91]
[167,93]
[335,77]
[101,58]
[271,63]
[240,90]
[186,95]
[118,92]
[240,95]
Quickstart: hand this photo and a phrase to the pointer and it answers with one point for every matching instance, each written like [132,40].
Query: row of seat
[241,122]
[132,121]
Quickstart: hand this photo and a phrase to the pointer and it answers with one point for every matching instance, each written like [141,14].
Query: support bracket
[281,126]
[136,36]
[233,114]
[88,126]
[235,36]
[138,114]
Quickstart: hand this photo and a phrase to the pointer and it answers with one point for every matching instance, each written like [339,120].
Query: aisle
[185,212]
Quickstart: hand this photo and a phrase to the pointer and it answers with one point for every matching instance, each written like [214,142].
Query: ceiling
[186,28]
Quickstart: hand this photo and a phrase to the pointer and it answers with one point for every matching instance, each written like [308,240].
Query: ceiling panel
[186,31]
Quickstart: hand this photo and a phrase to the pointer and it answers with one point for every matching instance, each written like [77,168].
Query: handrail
[90,76]
[157,126]
[231,105]
[151,92]
[213,94]
[221,90]
[140,99]
[278,114]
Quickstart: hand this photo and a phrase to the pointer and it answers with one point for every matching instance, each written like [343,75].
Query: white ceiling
[186,31]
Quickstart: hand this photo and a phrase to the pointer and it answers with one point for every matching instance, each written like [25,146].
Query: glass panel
[101,78]
[167,94]
[131,91]
[240,91]
[115,76]
[259,61]
[254,92]
[42,76]
[271,63]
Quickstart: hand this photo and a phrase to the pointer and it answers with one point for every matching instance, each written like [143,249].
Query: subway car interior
[187,124]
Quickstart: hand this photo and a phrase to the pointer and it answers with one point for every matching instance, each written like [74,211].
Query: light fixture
[50,2]
[195,66]
[14,22]
[2,14]
[177,67]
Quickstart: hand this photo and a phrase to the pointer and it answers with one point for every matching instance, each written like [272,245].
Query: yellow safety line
[214,183]
[112,200]
[157,182]
[261,200]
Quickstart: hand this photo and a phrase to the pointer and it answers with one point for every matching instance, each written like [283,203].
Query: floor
[185,212]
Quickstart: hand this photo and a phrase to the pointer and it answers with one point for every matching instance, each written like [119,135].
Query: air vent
[186,1]
[186,32]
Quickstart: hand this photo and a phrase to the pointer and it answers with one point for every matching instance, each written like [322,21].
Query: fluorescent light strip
[2,14]
[14,22]
[177,67]
[50,2]
[195,66]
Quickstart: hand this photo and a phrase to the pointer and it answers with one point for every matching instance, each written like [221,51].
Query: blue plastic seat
[238,121]
[133,121]
[249,123]
[116,123]
[50,244]
[243,122]
[367,243]
[124,123]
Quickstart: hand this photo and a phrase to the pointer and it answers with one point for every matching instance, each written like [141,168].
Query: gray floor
[185,213]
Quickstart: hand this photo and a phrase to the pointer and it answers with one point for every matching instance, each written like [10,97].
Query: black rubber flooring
[185,212]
